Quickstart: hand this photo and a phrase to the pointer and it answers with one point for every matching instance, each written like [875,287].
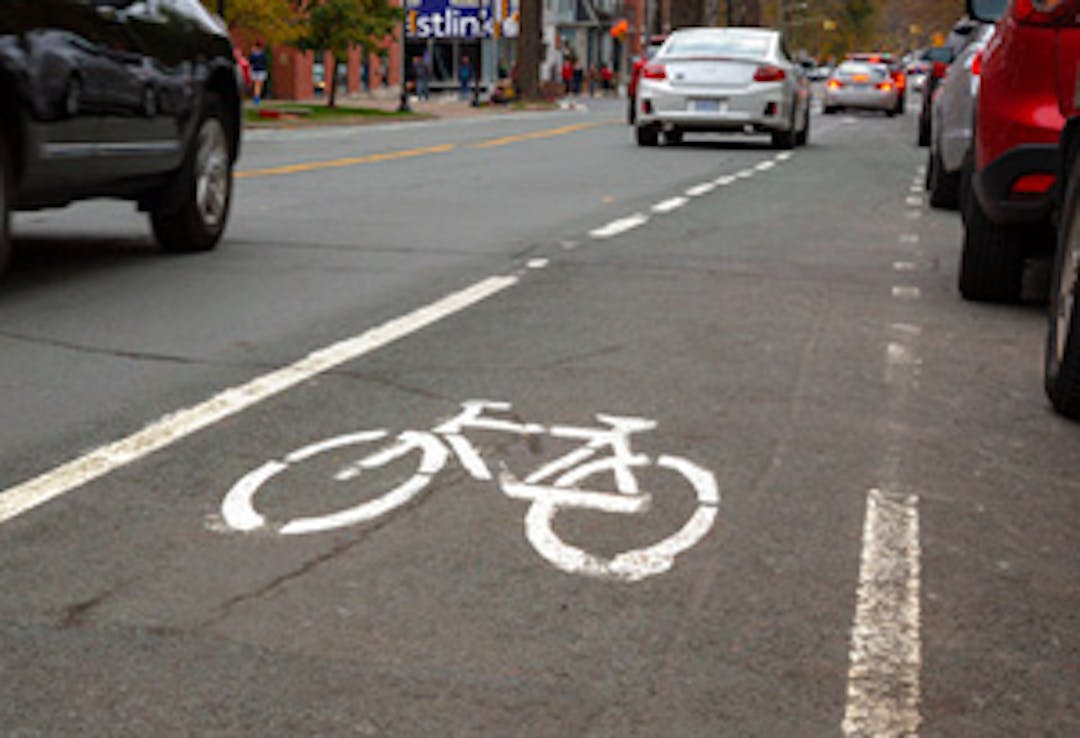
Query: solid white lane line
[537,263]
[905,292]
[172,428]
[885,662]
[670,205]
[622,225]
[701,189]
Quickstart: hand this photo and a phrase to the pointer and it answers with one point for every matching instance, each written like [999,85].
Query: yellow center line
[346,162]
[412,153]
[550,133]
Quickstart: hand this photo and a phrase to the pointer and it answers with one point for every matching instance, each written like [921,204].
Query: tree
[273,21]
[337,26]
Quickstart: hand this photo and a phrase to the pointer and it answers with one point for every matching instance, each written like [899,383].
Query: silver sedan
[861,85]
[723,80]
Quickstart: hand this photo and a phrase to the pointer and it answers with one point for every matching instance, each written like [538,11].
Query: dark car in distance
[130,99]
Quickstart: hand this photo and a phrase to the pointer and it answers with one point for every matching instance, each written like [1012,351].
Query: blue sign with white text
[467,19]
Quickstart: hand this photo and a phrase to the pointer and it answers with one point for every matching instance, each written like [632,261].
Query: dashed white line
[765,166]
[670,205]
[537,263]
[569,245]
[909,238]
[725,180]
[900,353]
[914,214]
[168,430]
[784,156]
[885,663]
[622,225]
[746,174]
[904,266]
[904,292]
[701,189]
[914,201]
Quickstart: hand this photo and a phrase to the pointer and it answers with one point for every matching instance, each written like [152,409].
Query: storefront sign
[468,19]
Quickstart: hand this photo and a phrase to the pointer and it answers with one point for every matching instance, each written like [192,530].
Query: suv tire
[944,186]
[803,137]
[992,258]
[203,191]
[1062,367]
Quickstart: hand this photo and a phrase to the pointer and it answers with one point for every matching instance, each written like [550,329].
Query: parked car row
[122,99]
[1005,149]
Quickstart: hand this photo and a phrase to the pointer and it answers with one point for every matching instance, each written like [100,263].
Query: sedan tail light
[939,69]
[769,73]
[1043,12]
[654,71]
[885,86]
[835,84]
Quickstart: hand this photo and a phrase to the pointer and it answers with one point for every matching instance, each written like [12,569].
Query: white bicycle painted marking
[554,487]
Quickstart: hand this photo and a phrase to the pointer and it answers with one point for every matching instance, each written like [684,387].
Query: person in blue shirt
[465,75]
[257,60]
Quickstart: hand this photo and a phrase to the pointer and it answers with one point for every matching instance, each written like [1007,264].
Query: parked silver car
[862,86]
[723,80]
[951,116]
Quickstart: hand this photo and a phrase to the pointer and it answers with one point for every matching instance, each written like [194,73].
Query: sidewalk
[442,105]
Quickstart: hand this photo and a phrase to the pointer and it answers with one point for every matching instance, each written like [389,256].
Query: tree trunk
[529,37]
[332,82]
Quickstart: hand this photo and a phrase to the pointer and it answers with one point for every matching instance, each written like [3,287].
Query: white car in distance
[723,80]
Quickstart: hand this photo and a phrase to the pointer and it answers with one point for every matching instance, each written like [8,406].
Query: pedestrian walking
[257,60]
[465,75]
[422,75]
[568,75]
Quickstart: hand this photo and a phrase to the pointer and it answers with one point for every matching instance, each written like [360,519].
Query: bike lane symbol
[556,486]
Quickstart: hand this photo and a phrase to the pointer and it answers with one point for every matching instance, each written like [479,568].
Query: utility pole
[529,43]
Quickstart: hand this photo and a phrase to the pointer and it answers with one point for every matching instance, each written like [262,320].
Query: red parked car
[1028,89]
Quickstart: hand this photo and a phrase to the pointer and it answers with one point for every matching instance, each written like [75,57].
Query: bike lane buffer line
[164,432]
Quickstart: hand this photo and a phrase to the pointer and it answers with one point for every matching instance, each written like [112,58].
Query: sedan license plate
[708,106]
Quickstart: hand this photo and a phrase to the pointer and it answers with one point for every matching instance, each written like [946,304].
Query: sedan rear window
[746,47]
[873,72]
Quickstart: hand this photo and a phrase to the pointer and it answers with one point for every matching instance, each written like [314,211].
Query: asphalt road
[854,515]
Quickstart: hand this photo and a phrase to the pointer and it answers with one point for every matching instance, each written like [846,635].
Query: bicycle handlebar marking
[554,487]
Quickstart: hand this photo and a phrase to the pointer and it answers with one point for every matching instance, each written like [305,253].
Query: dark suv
[126,99]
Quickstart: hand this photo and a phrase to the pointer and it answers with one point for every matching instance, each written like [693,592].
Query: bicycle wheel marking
[558,485]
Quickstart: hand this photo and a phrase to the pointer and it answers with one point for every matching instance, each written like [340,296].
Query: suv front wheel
[197,216]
